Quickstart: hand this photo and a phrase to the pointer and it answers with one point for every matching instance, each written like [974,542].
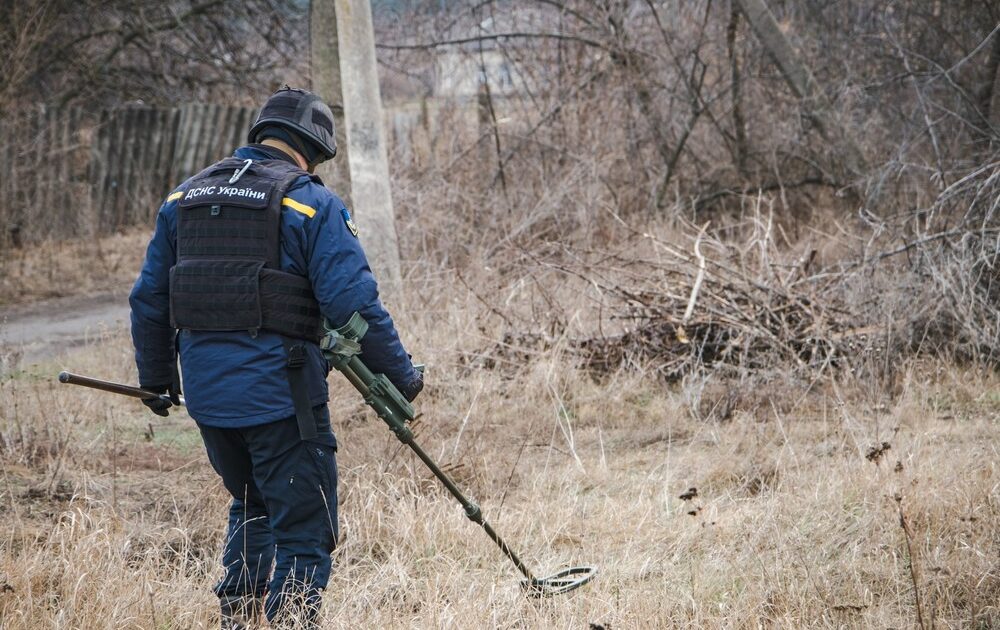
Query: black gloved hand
[411,389]
[159,406]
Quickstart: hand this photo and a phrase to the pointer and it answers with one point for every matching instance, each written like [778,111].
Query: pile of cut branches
[745,306]
[674,310]
[720,316]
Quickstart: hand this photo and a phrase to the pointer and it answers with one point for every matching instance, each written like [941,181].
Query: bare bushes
[742,301]
[960,265]
[681,106]
[574,205]
[99,53]
[676,306]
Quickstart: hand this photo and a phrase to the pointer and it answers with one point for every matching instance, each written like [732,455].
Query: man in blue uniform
[246,260]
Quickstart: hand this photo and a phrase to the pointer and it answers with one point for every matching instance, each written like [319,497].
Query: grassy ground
[74,267]
[111,517]
[830,504]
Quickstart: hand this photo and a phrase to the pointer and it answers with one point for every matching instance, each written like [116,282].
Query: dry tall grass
[84,266]
[112,518]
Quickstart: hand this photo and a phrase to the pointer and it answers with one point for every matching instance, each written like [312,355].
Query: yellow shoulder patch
[298,207]
[175,196]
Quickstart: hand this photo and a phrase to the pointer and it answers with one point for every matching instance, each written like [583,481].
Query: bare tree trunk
[989,96]
[739,123]
[801,80]
[325,64]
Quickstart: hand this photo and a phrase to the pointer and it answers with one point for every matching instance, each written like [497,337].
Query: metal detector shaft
[472,510]
[342,348]
[109,386]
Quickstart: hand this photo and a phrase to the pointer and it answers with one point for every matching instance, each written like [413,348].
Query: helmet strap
[310,155]
[300,146]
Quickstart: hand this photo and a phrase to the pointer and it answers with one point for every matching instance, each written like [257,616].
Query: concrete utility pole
[348,23]
[801,80]
[325,64]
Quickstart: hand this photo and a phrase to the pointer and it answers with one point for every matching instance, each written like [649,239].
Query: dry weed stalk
[911,561]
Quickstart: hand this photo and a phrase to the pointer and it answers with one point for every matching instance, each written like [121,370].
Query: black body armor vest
[228,273]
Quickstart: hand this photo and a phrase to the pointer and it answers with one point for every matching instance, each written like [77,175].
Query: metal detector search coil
[558,583]
[342,347]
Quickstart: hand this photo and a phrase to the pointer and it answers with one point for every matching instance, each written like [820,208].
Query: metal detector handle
[342,348]
[114,388]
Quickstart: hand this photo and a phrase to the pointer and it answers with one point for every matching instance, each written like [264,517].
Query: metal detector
[342,347]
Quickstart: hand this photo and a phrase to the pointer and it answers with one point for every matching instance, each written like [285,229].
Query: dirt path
[31,333]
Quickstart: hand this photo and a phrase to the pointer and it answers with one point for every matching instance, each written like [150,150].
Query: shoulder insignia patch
[175,196]
[350,224]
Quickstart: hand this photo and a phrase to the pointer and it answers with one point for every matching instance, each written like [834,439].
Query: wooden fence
[156,150]
[66,173]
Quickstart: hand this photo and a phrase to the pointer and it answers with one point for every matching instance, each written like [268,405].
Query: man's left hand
[160,405]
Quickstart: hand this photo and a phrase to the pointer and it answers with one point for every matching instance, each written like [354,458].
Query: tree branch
[496,37]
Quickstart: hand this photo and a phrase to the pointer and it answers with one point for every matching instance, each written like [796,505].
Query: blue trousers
[284,511]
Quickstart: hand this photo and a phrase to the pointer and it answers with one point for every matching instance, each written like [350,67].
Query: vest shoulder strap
[284,175]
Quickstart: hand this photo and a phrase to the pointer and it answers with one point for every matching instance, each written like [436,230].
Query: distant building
[460,73]
[462,69]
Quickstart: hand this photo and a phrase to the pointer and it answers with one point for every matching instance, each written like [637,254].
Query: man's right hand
[414,387]
[159,406]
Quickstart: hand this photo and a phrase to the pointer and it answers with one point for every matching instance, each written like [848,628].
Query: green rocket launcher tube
[341,347]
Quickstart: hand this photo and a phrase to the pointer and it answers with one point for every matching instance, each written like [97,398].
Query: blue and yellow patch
[350,224]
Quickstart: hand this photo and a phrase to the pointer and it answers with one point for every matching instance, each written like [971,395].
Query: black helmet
[302,113]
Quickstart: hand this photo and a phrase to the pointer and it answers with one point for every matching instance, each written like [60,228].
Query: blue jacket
[232,379]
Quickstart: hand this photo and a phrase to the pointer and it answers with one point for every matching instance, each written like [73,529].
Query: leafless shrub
[63,52]
[653,126]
